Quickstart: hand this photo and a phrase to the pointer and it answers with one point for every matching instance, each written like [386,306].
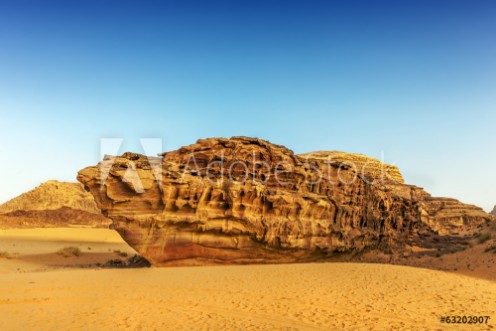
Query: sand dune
[314,296]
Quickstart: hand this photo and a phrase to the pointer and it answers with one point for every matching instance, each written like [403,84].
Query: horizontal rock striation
[245,200]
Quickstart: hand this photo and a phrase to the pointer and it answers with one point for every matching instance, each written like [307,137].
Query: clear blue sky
[415,80]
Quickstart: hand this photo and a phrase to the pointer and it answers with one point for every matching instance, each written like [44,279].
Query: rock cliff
[52,204]
[245,200]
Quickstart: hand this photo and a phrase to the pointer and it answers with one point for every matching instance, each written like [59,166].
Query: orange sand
[35,295]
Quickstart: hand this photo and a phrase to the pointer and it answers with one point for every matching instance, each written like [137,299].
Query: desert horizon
[59,253]
[247,165]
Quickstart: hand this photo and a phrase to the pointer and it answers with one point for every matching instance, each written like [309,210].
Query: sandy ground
[41,290]
[36,249]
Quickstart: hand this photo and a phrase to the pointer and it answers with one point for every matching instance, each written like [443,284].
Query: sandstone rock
[52,204]
[245,200]
[370,168]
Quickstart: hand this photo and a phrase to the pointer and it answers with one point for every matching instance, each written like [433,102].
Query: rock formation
[245,200]
[493,212]
[52,204]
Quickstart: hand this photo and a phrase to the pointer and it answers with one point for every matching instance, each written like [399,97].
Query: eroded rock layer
[245,200]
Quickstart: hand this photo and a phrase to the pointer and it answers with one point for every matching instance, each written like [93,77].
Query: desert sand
[46,291]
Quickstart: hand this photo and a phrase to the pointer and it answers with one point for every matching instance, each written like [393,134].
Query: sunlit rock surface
[245,200]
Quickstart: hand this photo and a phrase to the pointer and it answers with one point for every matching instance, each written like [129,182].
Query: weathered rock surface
[52,204]
[369,168]
[245,200]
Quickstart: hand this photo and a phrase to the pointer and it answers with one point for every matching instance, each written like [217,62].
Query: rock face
[52,204]
[493,212]
[245,200]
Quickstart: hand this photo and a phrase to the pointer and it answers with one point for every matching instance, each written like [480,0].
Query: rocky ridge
[245,200]
[52,204]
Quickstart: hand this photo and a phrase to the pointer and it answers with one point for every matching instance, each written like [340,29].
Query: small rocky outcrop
[245,200]
[52,204]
